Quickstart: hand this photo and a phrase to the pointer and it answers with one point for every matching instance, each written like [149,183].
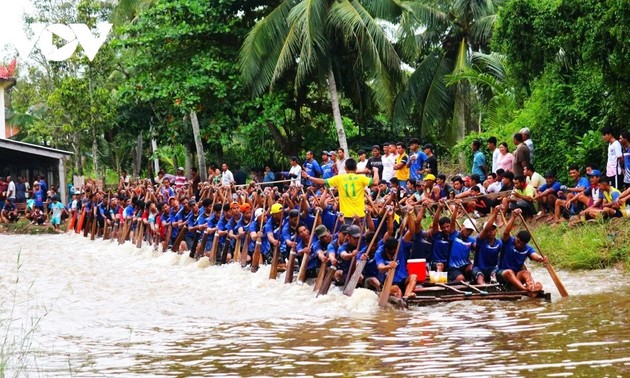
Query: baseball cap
[595,172]
[428,145]
[180,168]
[469,224]
[192,202]
[276,208]
[344,228]
[320,231]
[294,213]
[494,224]
[332,152]
[354,231]
[429,177]
[233,206]
[245,207]
[258,213]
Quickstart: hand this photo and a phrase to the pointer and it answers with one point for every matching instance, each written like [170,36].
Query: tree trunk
[201,157]
[334,100]
[95,154]
[187,159]
[156,161]
[137,164]
[458,127]
[77,155]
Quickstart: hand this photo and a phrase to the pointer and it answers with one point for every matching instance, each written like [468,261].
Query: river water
[74,307]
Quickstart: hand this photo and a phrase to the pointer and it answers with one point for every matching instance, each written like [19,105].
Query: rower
[488,250]
[513,255]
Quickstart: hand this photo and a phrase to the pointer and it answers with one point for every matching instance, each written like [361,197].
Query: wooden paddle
[466,293]
[330,274]
[224,252]
[306,257]
[354,279]
[215,239]
[140,237]
[73,221]
[389,280]
[353,261]
[288,275]
[179,238]
[556,280]
[273,272]
[257,255]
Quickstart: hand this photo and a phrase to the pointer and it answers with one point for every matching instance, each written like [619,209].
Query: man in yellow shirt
[400,167]
[351,187]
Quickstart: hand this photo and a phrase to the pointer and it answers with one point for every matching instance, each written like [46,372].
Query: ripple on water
[119,310]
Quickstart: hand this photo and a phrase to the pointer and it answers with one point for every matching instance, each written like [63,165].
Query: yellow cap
[276,208]
[429,177]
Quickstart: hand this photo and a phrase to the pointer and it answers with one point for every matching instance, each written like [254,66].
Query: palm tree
[438,38]
[309,37]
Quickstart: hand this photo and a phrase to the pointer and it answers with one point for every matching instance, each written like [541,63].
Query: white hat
[258,212]
[493,223]
[524,130]
[469,224]
[180,168]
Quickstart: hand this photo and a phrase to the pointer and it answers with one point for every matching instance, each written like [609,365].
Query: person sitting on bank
[511,268]
[522,198]
[9,213]
[547,194]
[609,199]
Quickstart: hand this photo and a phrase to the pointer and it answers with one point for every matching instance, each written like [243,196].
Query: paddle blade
[556,280]
[352,282]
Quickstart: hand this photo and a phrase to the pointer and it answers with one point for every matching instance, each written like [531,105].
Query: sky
[11,22]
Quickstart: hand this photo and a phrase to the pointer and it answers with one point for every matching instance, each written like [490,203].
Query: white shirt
[496,154]
[495,187]
[361,165]
[297,171]
[388,166]
[341,166]
[11,190]
[227,178]
[530,145]
[612,165]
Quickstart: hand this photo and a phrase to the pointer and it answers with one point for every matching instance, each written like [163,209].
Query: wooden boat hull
[428,294]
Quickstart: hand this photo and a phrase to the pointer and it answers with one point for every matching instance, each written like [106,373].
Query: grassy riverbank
[23,227]
[591,245]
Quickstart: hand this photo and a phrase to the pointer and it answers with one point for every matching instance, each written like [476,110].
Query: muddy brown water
[74,307]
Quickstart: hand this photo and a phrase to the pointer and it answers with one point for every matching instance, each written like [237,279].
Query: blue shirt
[312,168]
[416,165]
[422,246]
[555,186]
[487,256]
[441,245]
[371,268]
[479,159]
[344,265]
[327,170]
[400,274]
[460,252]
[312,256]
[511,258]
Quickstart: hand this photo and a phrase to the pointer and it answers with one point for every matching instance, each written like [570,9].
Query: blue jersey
[313,169]
[329,218]
[487,256]
[422,246]
[460,251]
[39,197]
[416,165]
[441,245]
[371,267]
[400,274]
[288,233]
[312,256]
[327,170]
[342,264]
[511,258]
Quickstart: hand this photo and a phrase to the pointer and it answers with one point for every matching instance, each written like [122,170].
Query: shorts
[55,220]
[500,277]
[487,272]
[454,272]
[402,285]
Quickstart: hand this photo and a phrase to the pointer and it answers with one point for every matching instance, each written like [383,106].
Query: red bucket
[418,267]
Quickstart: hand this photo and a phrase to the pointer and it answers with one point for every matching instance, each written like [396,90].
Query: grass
[591,245]
[23,227]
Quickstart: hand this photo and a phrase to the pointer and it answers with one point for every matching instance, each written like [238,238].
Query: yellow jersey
[402,174]
[351,188]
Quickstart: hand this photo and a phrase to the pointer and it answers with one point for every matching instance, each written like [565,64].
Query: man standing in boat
[351,187]
[513,255]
